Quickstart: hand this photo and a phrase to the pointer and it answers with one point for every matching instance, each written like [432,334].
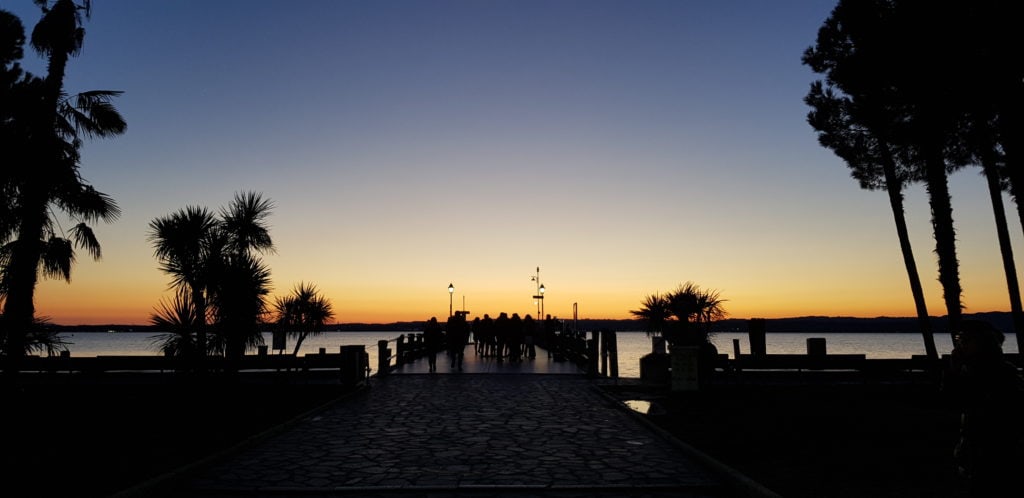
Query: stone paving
[463,435]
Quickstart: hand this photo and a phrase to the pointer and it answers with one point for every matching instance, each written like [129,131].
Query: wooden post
[735,349]
[400,350]
[383,363]
[604,353]
[613,351]
[593,353]
[756,332]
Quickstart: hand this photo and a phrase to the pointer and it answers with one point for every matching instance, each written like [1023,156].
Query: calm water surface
[632,345]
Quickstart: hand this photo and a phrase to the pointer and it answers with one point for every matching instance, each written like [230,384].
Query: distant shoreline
[818,324]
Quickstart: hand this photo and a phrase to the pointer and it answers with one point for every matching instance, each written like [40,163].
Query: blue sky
[622,146]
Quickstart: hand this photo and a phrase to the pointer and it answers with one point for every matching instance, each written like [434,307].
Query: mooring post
[400,350]
[613,351]
[604,353]
[383,363]
[593,353]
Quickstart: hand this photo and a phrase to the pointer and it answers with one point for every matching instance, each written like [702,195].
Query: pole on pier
[613,353]
[383,362]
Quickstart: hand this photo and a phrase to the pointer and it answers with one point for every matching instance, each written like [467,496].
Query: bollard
[756,332]
[352,367]
[736,349]
[383,363]
[816,346]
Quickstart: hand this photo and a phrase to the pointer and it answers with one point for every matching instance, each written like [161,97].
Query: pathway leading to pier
[458,435]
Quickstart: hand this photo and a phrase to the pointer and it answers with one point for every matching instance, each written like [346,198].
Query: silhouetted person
[990,392]
[457,337]
[501,333]
[515,338]
[529,336]
[477,343]
[487,335]
[432,340]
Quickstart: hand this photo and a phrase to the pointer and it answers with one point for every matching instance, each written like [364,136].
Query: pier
[539,427]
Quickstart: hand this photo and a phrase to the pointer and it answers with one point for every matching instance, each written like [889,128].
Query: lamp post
[541,294]
[451,292]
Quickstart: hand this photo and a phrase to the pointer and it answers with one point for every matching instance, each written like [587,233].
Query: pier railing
[351,363]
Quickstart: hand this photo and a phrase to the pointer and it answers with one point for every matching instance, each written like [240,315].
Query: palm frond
[245,221]
[86,239]
[92,114]
[57,258]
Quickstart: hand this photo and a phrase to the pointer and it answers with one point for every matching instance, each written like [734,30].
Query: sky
[621,147]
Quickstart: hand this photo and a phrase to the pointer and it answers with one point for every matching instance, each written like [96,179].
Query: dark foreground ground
[842,440]
[821,440]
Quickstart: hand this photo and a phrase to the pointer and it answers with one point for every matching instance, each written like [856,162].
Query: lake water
[631,345]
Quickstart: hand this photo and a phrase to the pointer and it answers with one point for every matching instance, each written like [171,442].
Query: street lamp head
[541,288]
[451,288]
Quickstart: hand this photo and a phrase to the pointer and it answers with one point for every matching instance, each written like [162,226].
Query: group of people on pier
[505,338]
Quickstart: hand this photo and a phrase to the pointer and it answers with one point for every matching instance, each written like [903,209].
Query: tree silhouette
[892,56]
[684,315]
[654,313]
[214,261]
[303,313]
[42,132]
[872,163]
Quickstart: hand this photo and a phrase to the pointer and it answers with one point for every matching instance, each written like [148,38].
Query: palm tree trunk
[937,185]
[1010,127]
[894,187]
[298,343]
[19,307]
[1005,247]
[199,300]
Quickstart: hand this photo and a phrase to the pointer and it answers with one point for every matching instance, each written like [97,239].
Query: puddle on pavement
[639,405]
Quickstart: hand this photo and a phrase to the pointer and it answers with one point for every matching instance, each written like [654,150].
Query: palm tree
[243,281]
[303,313]
[686,313]
[239,298]
[213,259]
[182,243]
[654,313]
[873,165]
[43,132]
[178,319]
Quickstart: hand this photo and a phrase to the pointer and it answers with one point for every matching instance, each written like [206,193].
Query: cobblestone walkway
[463,435]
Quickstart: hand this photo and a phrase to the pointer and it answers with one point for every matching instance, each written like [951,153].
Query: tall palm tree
[874,166]
[44,133]
[304,313]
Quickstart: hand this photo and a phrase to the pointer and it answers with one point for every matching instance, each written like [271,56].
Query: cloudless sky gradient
[624,147]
